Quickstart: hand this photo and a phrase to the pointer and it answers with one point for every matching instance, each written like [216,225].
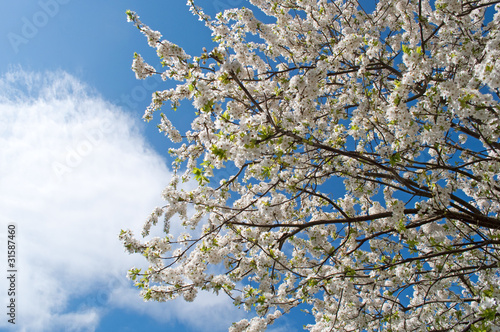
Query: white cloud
[206,313]
[74,170]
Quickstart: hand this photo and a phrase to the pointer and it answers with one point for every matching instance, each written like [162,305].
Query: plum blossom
[342,160]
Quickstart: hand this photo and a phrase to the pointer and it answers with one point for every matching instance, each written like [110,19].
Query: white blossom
[342,160]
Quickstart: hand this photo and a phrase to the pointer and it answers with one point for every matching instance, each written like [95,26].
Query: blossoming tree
[362,156]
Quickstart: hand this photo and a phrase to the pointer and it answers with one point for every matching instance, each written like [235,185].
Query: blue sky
[77,163]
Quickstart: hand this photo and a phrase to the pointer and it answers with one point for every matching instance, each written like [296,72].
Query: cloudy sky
[77,164]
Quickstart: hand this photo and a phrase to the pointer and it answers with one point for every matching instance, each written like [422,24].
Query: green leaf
[395,158]
[219,152]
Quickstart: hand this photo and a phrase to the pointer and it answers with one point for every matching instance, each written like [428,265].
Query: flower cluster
[360,160]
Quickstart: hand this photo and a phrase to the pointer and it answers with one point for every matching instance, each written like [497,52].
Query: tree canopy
[360,156]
